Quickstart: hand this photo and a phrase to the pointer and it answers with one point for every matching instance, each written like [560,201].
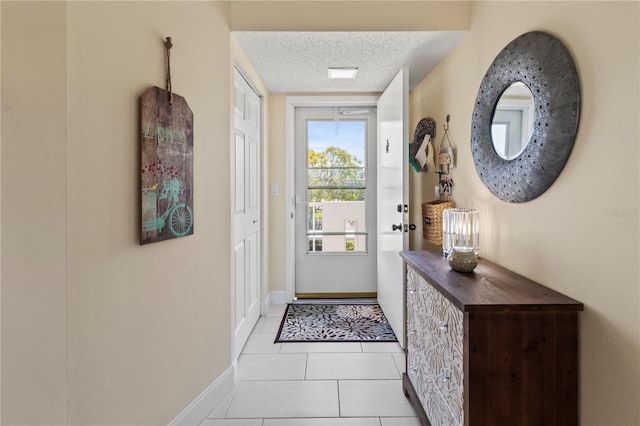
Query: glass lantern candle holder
[447,230]
[464,226]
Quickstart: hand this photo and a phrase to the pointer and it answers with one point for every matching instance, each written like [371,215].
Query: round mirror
[524,172]
[512,121]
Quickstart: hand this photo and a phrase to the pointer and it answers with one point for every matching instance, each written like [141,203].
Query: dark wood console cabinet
[489,347]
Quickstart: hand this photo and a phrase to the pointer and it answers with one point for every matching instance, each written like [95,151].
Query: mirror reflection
[512,121]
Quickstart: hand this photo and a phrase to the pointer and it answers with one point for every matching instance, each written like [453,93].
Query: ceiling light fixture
[343,72]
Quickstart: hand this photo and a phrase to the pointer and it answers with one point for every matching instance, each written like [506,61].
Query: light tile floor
[314,384]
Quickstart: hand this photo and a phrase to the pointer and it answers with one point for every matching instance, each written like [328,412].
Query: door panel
[240,181]
[240,262]
[247,252]
[335,202]
[253,261]
[392,170]
[253,175]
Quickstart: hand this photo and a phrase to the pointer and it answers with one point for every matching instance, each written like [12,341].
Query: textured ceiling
[290,62]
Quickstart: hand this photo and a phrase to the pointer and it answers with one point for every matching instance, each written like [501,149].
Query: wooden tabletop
[488,288]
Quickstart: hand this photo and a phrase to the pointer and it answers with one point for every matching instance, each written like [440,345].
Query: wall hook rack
[444,156]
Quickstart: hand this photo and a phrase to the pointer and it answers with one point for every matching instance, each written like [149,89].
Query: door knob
[395,227]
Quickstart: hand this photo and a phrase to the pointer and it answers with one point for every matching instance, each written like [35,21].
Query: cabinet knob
[444,378]
[411,290]
[442,325]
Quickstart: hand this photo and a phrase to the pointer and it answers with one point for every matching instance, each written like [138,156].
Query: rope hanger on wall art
[166,162]
[168,44]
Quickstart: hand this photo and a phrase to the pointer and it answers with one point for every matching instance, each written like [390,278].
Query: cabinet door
[417,337]
[435,351]
[438,411]
[448,369]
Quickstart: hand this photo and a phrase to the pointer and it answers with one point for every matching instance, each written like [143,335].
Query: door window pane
[336,185]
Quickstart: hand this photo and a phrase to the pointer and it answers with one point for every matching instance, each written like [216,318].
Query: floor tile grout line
[306,366]
[339,405]
[233,395]
[393,360]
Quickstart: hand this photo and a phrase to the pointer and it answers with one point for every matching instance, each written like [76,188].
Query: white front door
[335,202]
[393,195]
[247,207]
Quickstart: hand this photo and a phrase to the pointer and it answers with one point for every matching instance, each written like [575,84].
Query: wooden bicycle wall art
[166,166]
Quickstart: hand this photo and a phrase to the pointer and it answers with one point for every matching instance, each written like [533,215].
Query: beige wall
[359,15]
[0,222]
[34,213]
[277,205]
[581,237]
[149,324]
[96,328]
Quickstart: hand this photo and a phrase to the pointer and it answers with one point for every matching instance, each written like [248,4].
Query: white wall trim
[273,298]
[213,395]
[278,297]
[291,102]
[264,305]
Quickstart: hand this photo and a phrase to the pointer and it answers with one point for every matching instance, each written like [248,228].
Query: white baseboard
[278,297]
[213,395]
[273,298]
[264,306]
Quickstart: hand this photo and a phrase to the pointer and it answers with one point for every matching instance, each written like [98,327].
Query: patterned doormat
[334,323]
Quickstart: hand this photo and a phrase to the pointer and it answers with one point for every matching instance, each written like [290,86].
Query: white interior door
[247,203]
[393,195]
[335,178]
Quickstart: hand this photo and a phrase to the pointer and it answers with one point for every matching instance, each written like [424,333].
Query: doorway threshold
[336,300]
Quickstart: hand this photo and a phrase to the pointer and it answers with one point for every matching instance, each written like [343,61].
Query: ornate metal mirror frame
[543,63]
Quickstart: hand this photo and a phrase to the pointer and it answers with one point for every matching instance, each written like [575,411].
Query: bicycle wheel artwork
[166,166]
[181,220]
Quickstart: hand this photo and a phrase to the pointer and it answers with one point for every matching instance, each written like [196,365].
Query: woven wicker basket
[432,220]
